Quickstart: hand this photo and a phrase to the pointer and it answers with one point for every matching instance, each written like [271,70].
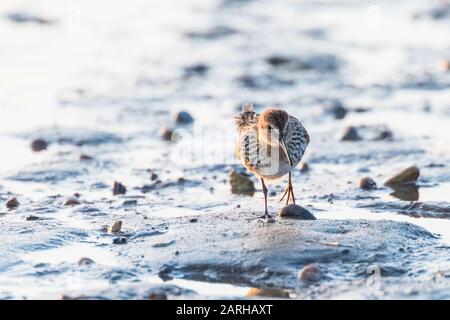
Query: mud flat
[237,249]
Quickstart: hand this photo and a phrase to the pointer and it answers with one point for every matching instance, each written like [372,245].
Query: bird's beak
[283,146]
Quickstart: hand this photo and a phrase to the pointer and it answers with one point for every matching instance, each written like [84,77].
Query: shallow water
[104,78]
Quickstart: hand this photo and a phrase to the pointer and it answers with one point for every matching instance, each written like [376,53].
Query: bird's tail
[247,117]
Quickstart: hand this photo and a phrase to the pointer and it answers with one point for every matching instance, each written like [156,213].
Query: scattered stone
[408,176]
[320,62]
[241,184]
[183,117]
[120,240]
[32,218]
[166,133]
[84,157]
[336,109]
[196,70]
[193,220]
[116,227]
[367,183]
[361,109]
[304,167]
[84,261]
[268,292]
[12,203]
[384,134]
[129,203]
[39,145]
[293,211]
[278,60]
[157,296]
[153,176]
[350,134]
[119,188]
[310,273]
[71,201]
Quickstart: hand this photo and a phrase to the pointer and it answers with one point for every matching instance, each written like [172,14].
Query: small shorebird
[270,145]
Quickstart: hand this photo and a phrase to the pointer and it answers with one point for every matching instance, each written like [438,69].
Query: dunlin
[270,145]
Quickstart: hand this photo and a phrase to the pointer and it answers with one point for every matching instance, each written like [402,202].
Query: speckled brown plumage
[270,145]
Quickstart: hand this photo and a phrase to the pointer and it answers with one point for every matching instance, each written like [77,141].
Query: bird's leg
[264,189]
[289,191]
[291,188]
[285,193]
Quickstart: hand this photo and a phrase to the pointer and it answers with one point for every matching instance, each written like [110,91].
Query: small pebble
[384,134]
[127,203]
[32,218]
[116,227]
[84,261]
[157,296]
[183,117]
[310,273]
[241,184]
[39,145]
[304,167]
[12,203]
[367,183]
[336,109]
[120,240]
[278,60]
[349,134]
[166,133]
[119,188]
[193,220]
[267,292]
[153,176]
[85,157]
[293,211]
[196,70]
[71,201]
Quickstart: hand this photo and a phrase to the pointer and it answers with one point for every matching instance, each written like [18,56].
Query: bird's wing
[299,140]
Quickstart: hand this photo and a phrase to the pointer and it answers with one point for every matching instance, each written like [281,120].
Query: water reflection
[406,192]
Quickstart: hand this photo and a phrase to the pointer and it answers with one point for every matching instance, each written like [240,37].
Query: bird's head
[273,125]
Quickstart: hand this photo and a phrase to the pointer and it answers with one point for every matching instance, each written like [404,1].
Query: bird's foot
[267,217]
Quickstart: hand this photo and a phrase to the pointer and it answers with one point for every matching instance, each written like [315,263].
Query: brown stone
[12,203]
[241,184]
[119,188]
[367,183]
[268,292]
[116,227]
[405,177]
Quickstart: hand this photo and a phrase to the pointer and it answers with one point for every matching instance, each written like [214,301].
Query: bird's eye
[269,127]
